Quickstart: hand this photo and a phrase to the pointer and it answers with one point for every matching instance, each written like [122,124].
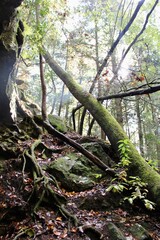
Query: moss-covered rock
[114,232]
[75,172]
[140,233]
[58,123]
[98,151]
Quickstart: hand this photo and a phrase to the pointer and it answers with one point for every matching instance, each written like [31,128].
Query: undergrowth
[135,188]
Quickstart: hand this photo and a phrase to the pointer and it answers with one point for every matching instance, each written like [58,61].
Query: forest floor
[17,220]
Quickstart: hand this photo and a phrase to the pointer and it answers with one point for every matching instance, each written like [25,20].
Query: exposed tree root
[41,181]
[45,186]
[21,233]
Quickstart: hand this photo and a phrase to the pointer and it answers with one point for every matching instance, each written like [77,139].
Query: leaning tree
[10,43]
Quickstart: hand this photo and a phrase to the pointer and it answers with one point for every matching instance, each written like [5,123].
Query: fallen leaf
[73,230]
[59,218]
[57,233]
[64,235]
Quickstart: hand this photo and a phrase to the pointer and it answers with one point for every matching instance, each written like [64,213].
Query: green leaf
[109,188]
[130,200]
[149,204]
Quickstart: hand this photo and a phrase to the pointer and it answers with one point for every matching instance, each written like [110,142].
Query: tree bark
[112,129]
[140,129]
[43,87]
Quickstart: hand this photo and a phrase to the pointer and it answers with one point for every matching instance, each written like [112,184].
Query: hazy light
[73,3]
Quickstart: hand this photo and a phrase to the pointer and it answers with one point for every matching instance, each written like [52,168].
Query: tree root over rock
[75,145]
[41,181]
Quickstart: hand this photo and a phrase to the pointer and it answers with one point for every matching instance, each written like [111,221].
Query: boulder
[140,233]
[114,232]
[97,149]
[75,172]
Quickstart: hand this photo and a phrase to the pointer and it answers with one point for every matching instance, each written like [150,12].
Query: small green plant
[116,187]
[119,183]
[98,175]
[124,150]
[133,185]
[138,192]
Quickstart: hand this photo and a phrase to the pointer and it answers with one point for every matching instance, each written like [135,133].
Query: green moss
[75,172]
[58,123]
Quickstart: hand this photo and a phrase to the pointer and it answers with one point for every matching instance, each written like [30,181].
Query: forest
[79,119]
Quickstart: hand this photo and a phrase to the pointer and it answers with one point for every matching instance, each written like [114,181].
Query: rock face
[114,232]
[77,171]
[8,49]
[139,232]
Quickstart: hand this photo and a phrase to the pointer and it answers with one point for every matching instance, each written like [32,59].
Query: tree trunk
[158,142]
[156,122]
[54,97]
[118,101]
[100,84]
[10,41]
[140,131]
[112,129]
[119,111]
[44,89]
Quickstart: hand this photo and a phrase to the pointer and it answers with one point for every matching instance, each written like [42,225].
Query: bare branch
[137,36]
[114,45]
[124,94]
[131,93]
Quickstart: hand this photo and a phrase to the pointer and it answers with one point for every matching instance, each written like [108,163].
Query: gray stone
[75,172]
[98,151]
[114,232]
[140,233]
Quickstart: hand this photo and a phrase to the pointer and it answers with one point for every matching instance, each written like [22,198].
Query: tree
[111,128]
[107,122]
[11,40]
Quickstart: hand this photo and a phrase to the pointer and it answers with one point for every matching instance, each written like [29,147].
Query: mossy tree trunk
[111,128]
[8,52]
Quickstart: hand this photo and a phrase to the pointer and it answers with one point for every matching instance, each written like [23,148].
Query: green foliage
[116,188]
[98,175]
[133,186]
[124,151]
[138,191]
[69,33]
